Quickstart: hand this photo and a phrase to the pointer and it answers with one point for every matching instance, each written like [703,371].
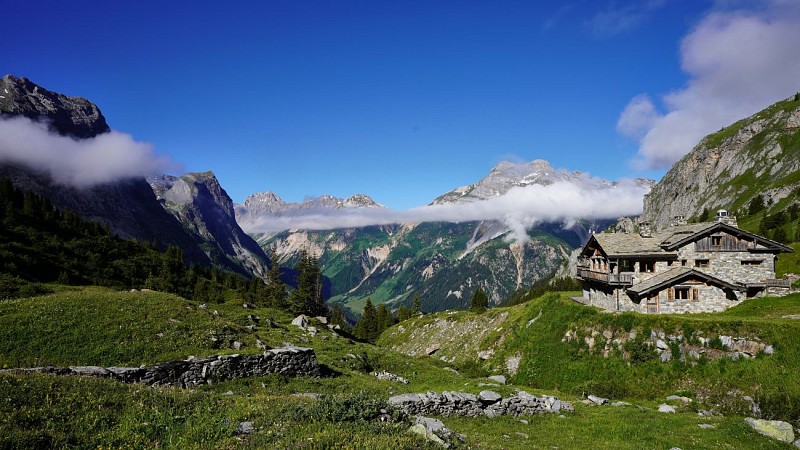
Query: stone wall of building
[289,361]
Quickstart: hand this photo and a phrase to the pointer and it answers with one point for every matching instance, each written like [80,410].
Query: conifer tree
[276,289]
[307,298]
[383,319]
[416,305]
[403,313]
[479,301]
[367,326]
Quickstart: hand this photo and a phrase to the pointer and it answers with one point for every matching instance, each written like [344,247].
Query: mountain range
[442,262]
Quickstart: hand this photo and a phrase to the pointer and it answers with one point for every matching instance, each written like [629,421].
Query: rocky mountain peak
[69,116]
[360,201]
[507,175]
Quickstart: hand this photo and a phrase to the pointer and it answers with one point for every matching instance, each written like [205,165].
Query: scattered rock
[707,426]
[498,379]
[432,430]
[621,404]
[512,363]
[432,349]
[597,400]
[245,428]
[300,321]
[485,354]
[237,345]
[678,398]
[665,408]
[322,319]
[775,429]
[388,376]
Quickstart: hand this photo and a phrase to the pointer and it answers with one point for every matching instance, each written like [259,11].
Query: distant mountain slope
[759,155]
[442,262]
[199,202]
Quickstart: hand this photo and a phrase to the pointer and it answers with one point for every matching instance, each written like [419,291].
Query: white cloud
[77,162]
[616,19]
[738,63]
[520,209]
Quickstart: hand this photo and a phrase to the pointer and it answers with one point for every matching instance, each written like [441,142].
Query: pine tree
[479,301]
[367,326]
[403,313]
[383,319]
[416,306]
[307,298]
[275,295]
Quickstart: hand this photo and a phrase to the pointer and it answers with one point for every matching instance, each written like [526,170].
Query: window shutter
[670,294]
[695,295]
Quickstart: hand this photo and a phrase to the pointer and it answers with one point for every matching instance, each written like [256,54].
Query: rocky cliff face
[759,155]
[69,116]
[200,203]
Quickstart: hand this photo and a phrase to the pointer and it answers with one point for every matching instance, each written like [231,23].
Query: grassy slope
[45,411]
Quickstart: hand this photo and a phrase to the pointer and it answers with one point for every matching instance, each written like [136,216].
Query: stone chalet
[686,268]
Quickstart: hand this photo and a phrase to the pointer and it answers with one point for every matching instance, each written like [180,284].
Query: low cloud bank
[520,209]
[738,62]
[77,162]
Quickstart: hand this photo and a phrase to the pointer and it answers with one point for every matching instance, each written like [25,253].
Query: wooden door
[652,304]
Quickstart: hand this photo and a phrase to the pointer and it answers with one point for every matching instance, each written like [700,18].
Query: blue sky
[406,100]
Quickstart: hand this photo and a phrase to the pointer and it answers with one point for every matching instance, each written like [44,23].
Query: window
[716,241]
[701,263]
[683,262]
[752,262]
[669,263]
[681,293]
[647,266]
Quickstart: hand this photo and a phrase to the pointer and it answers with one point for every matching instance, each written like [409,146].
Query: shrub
[639,351]
[358,407]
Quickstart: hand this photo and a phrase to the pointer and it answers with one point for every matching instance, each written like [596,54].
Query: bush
[639,351]
[359,407]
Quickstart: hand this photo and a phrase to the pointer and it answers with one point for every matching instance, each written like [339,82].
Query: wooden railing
[605,277]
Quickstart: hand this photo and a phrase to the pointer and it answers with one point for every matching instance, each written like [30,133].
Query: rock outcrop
[69,116]
[757,155]
[192,372]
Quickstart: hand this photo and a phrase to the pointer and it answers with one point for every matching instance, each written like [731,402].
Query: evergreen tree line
[374,320]
[41,244]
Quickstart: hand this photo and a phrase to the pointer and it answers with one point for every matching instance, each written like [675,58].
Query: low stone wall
[289,361]
[486,403]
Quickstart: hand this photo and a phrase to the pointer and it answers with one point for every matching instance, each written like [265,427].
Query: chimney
[727,219]
[678,221]
[644,230]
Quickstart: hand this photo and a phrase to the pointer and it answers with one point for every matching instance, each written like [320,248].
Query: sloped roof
[675,276]
[665,242]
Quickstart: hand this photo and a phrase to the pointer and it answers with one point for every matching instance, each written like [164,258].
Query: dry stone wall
[487,403]
[289,361]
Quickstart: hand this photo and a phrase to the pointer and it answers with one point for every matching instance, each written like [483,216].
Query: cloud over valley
[81,163]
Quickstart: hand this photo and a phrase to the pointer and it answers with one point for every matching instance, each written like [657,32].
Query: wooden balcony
[615,279]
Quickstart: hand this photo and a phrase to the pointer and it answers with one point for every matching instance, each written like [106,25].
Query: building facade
[686,268]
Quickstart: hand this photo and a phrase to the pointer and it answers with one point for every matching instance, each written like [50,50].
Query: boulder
[498,379]
[432,349]
[665,408]
[597,400]
[300,321]
[775,429]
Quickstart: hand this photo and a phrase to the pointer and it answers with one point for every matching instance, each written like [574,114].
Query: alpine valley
[441,262]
